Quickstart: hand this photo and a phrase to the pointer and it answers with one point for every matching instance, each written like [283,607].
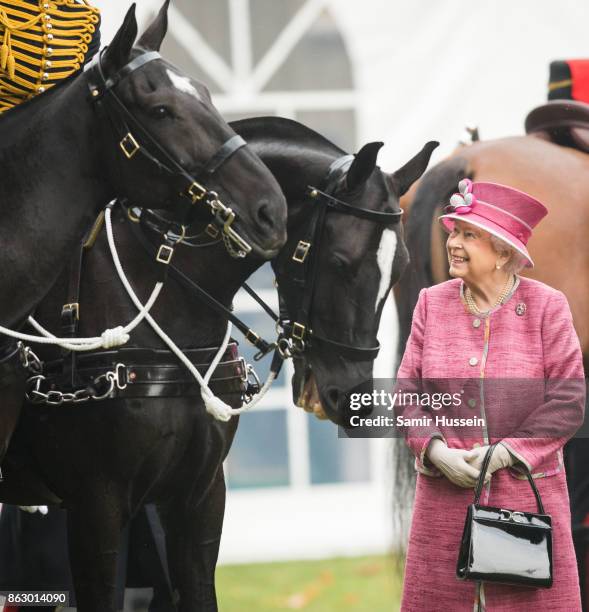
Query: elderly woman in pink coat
[487,324]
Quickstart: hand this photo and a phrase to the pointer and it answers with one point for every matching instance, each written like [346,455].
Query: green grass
[350,585]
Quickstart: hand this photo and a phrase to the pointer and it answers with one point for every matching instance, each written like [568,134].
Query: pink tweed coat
[530,336]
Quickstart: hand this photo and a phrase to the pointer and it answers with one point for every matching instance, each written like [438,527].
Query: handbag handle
[481,481]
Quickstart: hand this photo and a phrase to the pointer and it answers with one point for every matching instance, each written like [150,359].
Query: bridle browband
[134,139]
[304,266]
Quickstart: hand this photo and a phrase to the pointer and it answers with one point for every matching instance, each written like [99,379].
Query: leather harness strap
[143,373]
[223,154]
[129,68]
[70,312]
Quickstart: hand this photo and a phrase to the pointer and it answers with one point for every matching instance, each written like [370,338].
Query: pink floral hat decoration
[503,211]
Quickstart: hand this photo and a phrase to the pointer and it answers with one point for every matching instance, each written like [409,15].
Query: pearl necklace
[500,299]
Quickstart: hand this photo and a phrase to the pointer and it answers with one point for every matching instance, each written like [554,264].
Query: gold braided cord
[26,58]
[32,49]
[6,15]
[17,91]
[41,43]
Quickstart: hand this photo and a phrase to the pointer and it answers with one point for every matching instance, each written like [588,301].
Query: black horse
[133,126]
[168,450]
[340,262]
[61,165]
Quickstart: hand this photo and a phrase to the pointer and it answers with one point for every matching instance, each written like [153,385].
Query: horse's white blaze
[384,257]
[183,84]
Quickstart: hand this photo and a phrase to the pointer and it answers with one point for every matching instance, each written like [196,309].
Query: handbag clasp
[515,516]
[519,517]
[506,515]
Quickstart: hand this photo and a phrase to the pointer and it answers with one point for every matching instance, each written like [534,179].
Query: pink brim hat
[504,212]
[488,226]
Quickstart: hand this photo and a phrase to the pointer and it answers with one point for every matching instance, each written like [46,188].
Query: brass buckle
[132,216]
[252,337]
[164,254]
[211,230]
[298,331]
[129,146]
[74,307]
[197,192]
[301,251]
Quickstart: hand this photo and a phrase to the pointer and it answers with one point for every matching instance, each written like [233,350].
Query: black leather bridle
[301,271]
[134,141]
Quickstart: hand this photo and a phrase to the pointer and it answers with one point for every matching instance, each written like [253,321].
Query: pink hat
[502,211]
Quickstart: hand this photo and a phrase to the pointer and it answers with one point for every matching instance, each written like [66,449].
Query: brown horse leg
[193,541]
[94,534]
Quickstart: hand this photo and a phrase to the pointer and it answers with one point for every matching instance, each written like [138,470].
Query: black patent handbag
[506,546]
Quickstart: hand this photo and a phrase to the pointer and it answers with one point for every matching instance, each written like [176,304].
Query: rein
[135,140]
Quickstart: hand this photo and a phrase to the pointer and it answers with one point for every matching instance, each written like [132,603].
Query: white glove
[32,509]
[454,463]
[501,458]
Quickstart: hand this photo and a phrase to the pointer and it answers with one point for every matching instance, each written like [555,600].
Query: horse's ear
[363,166]
[413,169]
[152,38]
[118,52]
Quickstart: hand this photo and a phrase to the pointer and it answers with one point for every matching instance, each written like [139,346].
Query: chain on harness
[39,389]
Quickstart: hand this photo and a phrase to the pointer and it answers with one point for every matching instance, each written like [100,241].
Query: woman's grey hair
[516,261]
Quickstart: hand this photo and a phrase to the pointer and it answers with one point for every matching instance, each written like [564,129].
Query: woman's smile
[456,260]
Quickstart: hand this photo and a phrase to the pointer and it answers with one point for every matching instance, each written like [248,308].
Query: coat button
[476,323]
[473,361]
[472,402]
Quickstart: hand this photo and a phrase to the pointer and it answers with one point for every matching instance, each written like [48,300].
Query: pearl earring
[498,267]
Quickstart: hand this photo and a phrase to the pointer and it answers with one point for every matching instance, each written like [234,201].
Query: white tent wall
[426,68]
[422,70]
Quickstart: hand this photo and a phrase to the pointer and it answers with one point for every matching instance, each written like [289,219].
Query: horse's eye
[161,112]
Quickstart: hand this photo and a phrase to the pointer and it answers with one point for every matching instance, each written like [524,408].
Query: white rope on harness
[110,338]
[214,405]
[74,344]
